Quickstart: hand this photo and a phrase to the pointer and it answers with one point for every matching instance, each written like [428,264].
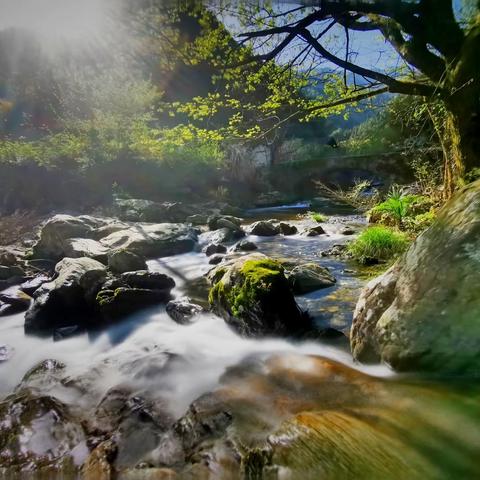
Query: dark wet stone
[216,259]
[245,246]
[287,229]
[213,248]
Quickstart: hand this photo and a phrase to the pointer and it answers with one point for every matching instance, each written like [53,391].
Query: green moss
[318,217]
[105,297]
[257,279]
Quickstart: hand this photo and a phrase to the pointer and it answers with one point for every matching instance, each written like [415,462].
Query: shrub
[399,208]
[378,243]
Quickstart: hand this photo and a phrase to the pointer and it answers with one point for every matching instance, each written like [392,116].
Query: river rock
[253,295]
[11,272]
[309,277]
[153,240]
[120,261]
[224,221]
[30,286]
[424,313]
[67,299]
[56,232]
[287,229]
[182,310]
[13,302]
[314,231]
[224,235]
[124,300]
[140,210]
[216,259]
[39,432]
[5,352]
[85,247]
[197,219]
[213,248]
[245,246]
[264,228]
[148,280]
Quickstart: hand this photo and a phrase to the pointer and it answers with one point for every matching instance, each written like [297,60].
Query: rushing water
[401,423]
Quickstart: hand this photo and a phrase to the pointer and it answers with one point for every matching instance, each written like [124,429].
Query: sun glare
[57,20]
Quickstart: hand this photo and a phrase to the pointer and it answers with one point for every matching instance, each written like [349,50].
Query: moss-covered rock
[254,297]
[424,313]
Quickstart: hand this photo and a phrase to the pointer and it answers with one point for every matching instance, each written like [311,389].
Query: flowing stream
[178,363]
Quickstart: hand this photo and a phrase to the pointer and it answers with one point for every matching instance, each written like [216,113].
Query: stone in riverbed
[153,240]
[182,310]
[314,231]
[216,259]
[197,219]
[147,280]
[264,228]
[424,313]
[30,286]
[13,302]
[213,248]
[8,273]
[68,298]
[309,277]
[6,353]
[287,229]
[120,261]
[123,301]
[225,235]
[245,246]
[39,432]
[224,221]
[253,295]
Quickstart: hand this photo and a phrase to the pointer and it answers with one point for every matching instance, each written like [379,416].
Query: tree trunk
[462,124]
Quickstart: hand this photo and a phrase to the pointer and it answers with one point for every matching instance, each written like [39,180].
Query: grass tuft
[378,243]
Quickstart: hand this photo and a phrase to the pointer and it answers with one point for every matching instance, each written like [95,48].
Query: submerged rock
[68,298]
[6,352]
[309,277]
[37,432]
[264,228]
[182,310]
[424,313]
[254,297]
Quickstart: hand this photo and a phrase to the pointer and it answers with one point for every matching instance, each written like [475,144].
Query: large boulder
[153,240]
[424,313]
[66,235]
[254,297]
[309,277]
[66,299]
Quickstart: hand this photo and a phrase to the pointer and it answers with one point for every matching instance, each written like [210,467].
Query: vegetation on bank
[378,243]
